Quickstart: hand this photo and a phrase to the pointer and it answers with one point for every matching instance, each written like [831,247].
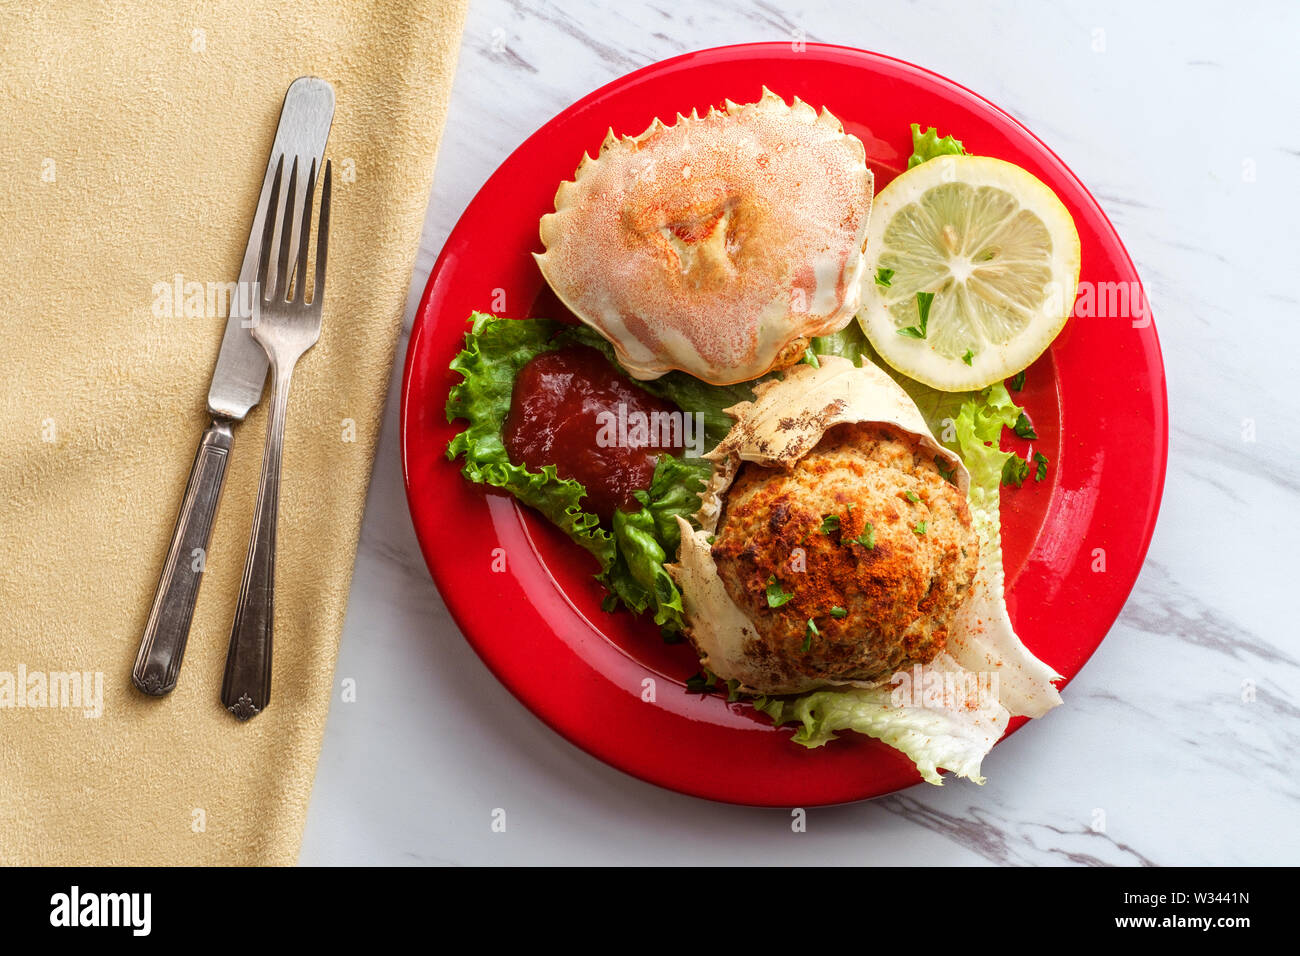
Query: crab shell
[718,245]
[786,420]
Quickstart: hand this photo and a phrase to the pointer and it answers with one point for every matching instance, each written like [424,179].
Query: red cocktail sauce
[556,419]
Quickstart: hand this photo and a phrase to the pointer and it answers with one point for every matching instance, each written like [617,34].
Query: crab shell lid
[718,245]
[786,420]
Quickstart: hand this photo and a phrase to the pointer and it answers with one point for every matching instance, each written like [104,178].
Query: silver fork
[286,327]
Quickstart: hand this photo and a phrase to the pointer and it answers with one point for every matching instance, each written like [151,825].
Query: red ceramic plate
[1073,543]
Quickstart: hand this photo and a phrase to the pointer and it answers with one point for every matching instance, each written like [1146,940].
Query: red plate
[1073,544]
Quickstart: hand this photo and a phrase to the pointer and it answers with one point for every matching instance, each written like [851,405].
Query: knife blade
[237,383]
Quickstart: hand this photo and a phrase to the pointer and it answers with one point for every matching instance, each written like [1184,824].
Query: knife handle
[158,662]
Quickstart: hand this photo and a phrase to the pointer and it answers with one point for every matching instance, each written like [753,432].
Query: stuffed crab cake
[836,546]
[718,245]
[863,537]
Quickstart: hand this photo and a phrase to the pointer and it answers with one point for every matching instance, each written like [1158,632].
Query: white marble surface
[1181,120]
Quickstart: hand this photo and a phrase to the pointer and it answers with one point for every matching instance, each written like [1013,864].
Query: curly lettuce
[927,145]
[953,737]
[631,552]
[493,354]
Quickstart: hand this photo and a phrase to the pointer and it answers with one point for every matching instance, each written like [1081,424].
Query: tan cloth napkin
[133,138]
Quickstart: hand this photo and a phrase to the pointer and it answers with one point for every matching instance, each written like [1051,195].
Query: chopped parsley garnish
[923,302]
[920,527]
[839,612]
[1041,471]
[912,497]
[1015,470]
[808,634]
[868,537]
[968,357]
[830,523]
[946,471]
[775,596]
[701,683]
[1025,428]
[1017,381]
[884,277]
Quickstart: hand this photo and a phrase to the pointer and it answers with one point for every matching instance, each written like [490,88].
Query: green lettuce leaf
[495,350]
[955,737]
[674,491]
[633,551]
[928,145]
[850,343]
[648,539]
[637,575]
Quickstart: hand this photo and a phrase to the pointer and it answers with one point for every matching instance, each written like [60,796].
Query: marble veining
[1178,742]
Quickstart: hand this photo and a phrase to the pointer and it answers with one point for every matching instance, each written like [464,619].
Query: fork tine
[284,233]
[303,239]
[322,239]
[268,231]
[276,214]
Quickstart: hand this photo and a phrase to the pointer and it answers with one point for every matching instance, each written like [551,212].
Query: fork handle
[246,688]
[158,662]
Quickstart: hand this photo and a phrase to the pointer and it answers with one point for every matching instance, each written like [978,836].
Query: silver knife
[237,382]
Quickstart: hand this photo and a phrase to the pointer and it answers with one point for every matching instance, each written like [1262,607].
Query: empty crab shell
[719,245]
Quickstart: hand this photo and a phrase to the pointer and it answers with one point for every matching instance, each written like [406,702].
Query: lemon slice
[998,251]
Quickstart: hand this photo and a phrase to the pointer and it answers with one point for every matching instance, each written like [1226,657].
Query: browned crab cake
[863,537]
